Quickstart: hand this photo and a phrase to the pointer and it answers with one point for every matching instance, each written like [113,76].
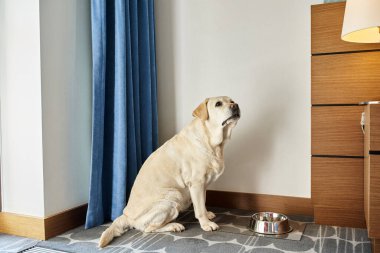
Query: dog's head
[219,111]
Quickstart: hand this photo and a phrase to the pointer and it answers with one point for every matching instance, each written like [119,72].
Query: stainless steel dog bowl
[270,223]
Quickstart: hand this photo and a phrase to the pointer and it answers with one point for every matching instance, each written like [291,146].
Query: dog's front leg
[198,197]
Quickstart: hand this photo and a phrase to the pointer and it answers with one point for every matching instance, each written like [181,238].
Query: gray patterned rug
[42,250]
[316,239]
[15,244]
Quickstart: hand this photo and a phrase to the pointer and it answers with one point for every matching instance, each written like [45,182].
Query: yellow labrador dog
[177,174]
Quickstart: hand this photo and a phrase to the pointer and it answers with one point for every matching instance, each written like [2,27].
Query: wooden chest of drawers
[342,75]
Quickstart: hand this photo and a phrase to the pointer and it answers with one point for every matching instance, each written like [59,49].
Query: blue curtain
[124,114]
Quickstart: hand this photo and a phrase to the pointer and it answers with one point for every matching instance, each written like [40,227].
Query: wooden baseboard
[64,221]
[260,202]
[22,225]
[42,228]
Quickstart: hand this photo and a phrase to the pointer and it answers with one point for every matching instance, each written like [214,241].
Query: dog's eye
[218,104]
[232,102]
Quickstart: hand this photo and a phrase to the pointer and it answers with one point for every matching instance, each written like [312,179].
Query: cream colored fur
[177,174]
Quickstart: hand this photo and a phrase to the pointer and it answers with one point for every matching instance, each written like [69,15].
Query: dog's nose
[234,107]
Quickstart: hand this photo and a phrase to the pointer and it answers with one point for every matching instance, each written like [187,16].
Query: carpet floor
[315,239]
[15,244]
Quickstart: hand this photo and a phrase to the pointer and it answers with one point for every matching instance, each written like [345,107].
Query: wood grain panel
[64,221]
[372,128]
[326,28]
[42,228]
[260,202]
[336,216]
[337,182]
[366,131]
[372,170]
[366,188]
[373,196]
[335,130]
[375,245]
[22,225]
[345,78]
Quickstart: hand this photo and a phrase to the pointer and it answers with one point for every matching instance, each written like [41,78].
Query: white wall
[20,96]
[258,53]
[66,102]
[45,93]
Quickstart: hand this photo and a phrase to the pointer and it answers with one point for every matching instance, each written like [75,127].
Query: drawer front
[336,216]
[326,27]
[372,195]
[335,130]
[345,78]
[372,128]
[337,182]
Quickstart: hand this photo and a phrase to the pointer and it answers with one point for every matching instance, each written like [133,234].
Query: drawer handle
[362,122]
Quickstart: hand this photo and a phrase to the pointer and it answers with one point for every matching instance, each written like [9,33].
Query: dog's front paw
[209,226]
[210,215]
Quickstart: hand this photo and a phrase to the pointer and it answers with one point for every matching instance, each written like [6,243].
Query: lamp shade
[362,21]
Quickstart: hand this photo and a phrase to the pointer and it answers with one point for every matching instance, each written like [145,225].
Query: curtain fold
[124,114]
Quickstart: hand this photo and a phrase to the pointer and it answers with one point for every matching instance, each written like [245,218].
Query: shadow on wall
[263,132]
[165,14]
[257,141]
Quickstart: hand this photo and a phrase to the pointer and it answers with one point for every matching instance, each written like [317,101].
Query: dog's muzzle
[235,113]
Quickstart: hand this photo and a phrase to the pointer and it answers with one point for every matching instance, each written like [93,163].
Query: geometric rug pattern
[315,239]
[15,244]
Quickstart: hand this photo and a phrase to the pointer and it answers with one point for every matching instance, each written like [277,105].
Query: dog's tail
[117,228]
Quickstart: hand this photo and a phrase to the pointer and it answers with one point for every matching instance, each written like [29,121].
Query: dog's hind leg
[159,218]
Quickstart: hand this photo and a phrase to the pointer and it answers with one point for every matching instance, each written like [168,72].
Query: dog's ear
[201,111]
